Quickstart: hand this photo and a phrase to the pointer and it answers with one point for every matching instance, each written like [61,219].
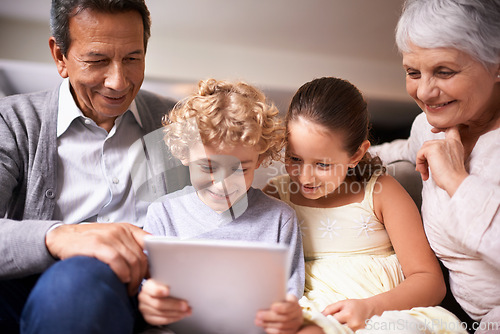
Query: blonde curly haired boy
[224,132]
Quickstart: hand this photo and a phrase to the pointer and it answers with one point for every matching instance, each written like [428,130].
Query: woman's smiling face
[450,86]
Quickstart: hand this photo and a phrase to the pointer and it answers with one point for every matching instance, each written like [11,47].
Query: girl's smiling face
[315,158]
[450,86]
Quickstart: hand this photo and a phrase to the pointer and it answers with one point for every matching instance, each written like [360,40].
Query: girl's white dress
[349,255]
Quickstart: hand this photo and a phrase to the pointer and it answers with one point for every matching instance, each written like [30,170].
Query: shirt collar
[68,111]
[135,112]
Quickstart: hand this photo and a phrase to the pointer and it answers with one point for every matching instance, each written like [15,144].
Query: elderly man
[62,162]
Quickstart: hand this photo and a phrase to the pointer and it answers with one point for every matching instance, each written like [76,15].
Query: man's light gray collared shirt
[93,176]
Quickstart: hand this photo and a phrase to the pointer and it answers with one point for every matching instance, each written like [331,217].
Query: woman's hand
[157,307]
[352,312]
[445,159]
[282,318]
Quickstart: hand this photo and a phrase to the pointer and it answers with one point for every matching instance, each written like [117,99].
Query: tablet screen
[225,282]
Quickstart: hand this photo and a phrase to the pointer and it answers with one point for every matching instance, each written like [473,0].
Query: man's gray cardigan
[28,162]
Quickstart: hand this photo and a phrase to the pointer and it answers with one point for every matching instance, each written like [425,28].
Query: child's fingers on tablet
[155,288]
[157,316]
[291,305]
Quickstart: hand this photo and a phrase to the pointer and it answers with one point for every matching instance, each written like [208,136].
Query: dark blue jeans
[77,295]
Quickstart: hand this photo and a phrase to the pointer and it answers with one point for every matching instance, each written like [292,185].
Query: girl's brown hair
[338,106]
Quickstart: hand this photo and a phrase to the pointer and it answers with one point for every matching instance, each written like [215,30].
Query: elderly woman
[451,56]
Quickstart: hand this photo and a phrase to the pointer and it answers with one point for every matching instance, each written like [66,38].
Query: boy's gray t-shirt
[256,218]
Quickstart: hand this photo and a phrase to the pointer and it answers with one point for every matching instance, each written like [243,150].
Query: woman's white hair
[471,26]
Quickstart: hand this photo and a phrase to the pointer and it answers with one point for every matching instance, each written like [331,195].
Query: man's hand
[120,245]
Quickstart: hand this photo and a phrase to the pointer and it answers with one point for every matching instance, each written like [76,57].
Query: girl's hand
[445,159]
[157,307]
[282,318]
[352,312]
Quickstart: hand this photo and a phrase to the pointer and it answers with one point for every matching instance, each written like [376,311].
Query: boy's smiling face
[222,176]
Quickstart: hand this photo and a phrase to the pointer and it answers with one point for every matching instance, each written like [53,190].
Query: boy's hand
[282,318]
[157,307]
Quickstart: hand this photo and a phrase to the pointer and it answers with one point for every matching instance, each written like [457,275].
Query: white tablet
[225,282]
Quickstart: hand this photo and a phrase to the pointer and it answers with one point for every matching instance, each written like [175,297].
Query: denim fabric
[77,295]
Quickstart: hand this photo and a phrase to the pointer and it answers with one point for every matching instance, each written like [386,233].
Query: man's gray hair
[62,10]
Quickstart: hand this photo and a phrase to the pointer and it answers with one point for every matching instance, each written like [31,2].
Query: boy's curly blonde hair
[225,114]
